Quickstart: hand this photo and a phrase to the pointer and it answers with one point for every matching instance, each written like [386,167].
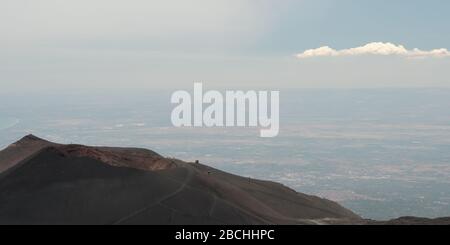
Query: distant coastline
[8,123]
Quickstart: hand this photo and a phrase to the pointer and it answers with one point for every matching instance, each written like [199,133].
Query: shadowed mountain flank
[47,183]
[137,158]
[22,149]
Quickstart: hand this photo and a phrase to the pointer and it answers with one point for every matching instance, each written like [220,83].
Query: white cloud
[375,48]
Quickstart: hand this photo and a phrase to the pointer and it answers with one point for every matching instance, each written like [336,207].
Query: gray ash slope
[47,183]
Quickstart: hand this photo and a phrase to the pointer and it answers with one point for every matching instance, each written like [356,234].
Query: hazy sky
[87,44]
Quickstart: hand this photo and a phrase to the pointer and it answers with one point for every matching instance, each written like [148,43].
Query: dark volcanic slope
[47,183]
[413,221]
[21,150]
